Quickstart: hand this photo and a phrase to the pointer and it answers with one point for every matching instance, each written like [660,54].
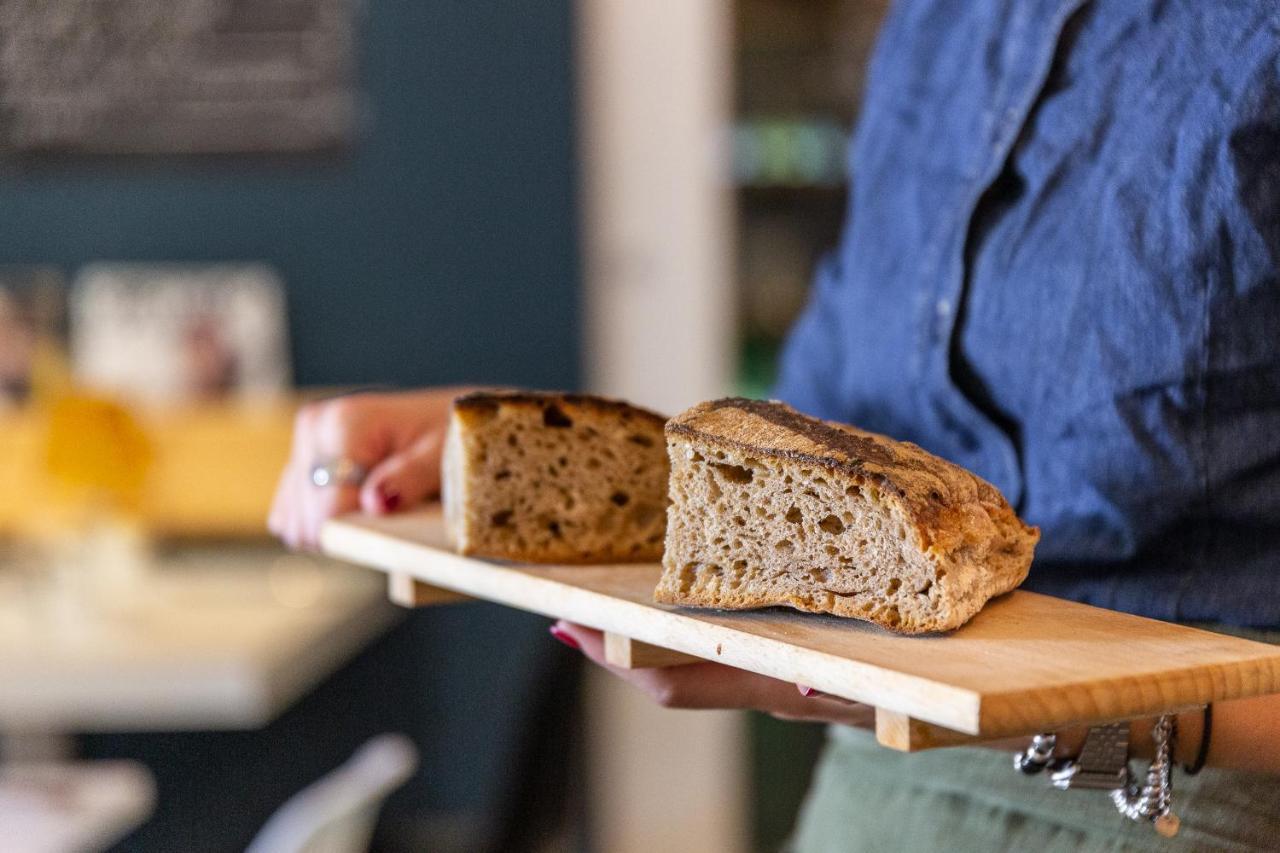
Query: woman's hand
[714,685]
[397,437]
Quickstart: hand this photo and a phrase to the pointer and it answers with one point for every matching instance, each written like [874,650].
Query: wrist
[1186,744]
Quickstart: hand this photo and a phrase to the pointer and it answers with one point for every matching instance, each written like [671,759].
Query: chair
[337,813]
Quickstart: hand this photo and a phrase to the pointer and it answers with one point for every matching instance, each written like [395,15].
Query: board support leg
[627,653]
[907,734]
[408,591]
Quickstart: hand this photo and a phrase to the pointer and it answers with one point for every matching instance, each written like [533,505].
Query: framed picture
[178,332]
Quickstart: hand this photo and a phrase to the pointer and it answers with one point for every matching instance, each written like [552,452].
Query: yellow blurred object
[212,467]
[95,452]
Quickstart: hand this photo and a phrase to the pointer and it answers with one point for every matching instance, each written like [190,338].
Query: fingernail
[390,499]
[806,691]
[564,636]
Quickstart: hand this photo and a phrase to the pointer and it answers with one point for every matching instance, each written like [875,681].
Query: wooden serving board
[1026,663]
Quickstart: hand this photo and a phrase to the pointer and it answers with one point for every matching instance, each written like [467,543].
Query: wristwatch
[1103,763]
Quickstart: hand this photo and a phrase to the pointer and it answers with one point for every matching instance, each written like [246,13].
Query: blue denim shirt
[1060,271]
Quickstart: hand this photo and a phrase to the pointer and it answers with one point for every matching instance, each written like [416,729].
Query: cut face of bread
[554,478]
[770,507]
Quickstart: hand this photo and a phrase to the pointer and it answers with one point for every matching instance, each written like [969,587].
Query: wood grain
[621,650]
[407,591]
[1026,663]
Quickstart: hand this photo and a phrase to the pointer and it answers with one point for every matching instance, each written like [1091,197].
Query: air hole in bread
[502,517]
[894,583]
[740,521]
[784,545]
[734,473]
[642,440]
[554,528]
[512,440]
[831,525]
[924,590]
[554,416]
[620,498]
[502,475]
[794,515]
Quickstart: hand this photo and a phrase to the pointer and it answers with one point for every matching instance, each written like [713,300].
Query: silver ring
[339,471]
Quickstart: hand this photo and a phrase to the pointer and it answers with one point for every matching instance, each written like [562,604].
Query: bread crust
[488,401]
[954,519]
[935,494]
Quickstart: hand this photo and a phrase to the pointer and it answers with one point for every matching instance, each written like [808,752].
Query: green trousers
[867,798]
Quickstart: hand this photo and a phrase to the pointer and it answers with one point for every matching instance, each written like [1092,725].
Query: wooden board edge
[663,627]
[905,733]
[1003,714]
[407,591]
[622,651]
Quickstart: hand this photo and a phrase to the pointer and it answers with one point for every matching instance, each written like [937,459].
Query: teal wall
[441,248]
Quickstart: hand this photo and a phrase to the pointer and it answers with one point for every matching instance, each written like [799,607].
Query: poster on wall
[180,332]
[179,77]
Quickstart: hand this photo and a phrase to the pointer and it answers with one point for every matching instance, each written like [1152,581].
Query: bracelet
[1202,754]
[1103,763]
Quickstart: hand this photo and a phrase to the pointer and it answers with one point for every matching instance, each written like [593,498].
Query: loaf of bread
[554,478]
[771,507]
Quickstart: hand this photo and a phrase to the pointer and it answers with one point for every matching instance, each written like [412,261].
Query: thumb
[404,478]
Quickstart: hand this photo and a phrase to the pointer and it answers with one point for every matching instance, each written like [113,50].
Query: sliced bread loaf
[546,477]
[771,507]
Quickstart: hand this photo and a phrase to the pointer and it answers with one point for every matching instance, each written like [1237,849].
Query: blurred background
[212,211]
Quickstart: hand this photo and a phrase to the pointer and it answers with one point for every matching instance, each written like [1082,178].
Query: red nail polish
[807,691]
[390,500]
[564,636]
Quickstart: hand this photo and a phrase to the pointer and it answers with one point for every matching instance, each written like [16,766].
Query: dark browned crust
[480,401]
[927,486]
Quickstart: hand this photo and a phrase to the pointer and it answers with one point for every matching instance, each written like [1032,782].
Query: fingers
[325,430]
[404,478]
[712,685]
[300,508]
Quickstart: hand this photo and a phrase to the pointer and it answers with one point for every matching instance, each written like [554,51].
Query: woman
[1060,270]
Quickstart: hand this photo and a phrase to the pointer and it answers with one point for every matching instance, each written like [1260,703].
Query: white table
[222,637]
